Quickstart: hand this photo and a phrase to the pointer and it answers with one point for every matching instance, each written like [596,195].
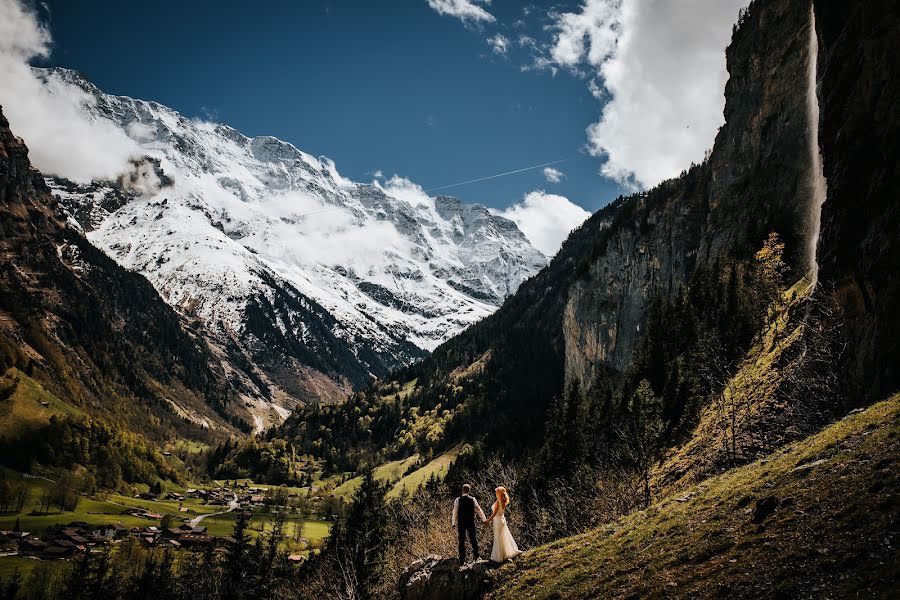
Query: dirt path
[199,518]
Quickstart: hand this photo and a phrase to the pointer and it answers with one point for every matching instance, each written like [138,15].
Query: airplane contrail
[443,187]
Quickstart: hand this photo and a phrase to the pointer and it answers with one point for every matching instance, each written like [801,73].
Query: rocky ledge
[437,578]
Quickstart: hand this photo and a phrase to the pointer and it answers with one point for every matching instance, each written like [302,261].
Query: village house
[195,540]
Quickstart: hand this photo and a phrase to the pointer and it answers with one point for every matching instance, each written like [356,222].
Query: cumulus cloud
[590,34]
[660,67]
[499,43]
[553,175]
[51,115]
[545,219]
[467,11]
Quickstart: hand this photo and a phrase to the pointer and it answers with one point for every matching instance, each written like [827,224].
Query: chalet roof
[195,538]
[15,535]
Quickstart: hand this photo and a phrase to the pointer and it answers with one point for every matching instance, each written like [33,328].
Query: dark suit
[464,509]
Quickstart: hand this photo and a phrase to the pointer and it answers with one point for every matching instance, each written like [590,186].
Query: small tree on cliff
[770,267]
[641,432]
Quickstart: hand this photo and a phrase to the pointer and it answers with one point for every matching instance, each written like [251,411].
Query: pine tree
[358,542]
[234,567]
[10,588]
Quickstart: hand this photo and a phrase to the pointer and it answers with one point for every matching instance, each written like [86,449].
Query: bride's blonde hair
[504,496]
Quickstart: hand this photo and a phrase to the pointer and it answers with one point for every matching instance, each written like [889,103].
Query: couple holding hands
[464,510]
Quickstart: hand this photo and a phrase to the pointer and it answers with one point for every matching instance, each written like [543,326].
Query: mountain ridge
[69,315]
[237,233]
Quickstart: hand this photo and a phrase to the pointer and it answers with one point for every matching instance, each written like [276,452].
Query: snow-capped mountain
[306,283]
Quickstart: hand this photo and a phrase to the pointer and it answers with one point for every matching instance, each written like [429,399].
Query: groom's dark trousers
[465,525]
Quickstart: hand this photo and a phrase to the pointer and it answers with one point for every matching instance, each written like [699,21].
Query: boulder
[437,578]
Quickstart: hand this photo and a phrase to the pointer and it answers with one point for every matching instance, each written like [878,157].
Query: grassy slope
[755,388]
[437,467]
[23,409]
[389,472]
[393,473]
[833,538]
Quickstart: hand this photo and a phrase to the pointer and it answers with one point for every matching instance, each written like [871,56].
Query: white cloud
[661,65]
[587,35]
[545,219]
[499,43]
[308,231]
[467,11]
[62,138]
[406,190]
[553,175]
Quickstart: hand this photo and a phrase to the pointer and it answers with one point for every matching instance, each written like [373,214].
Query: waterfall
[817,175]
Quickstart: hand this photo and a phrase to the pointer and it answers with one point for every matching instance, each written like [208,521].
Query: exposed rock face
[756,180]
[438,578]
[859,83]
[93,333]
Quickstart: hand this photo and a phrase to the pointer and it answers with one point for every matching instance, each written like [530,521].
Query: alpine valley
[231,372]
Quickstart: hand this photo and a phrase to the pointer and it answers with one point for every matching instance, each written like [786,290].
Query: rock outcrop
[438,578]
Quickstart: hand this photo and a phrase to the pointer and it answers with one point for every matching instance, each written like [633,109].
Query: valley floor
[817,518]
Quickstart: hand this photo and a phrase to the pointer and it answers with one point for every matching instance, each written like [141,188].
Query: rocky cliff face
[756,180]
[859,83]
[96,335]
[584,312]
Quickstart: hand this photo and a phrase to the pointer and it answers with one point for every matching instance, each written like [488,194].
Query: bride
[505,546]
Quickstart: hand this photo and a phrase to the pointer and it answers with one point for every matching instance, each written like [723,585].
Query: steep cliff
[585,312]
[859,83]
[96,335]
[755,180]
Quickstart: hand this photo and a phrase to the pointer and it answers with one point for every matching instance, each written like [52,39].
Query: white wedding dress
[505,546]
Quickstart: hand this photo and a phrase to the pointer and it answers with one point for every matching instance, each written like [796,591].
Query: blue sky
[390,86]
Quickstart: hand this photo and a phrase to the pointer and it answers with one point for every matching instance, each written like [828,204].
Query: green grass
[389,472]
[89,510]
[110,511]
[753,390]
[23,409]
[8,565]
[311,529]
[166,507]
[830,536]
[437,467]
[189,446]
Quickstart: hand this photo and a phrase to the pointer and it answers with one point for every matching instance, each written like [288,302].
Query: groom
[464,509]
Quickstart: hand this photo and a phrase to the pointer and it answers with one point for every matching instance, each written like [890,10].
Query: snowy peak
[309,284]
